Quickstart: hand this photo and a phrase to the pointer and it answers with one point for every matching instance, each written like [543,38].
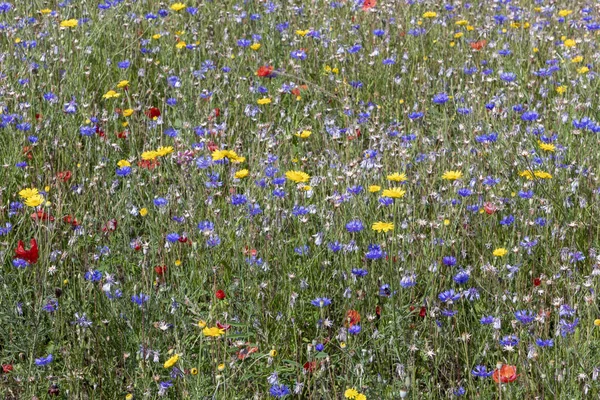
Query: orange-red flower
[368,4]
[506,374]
[31,255]
[478,45]
[266,71]
[352,318]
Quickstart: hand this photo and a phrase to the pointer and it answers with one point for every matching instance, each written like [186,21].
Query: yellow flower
[156,36]
[307,188]
[565,13]
[360,396]
[194,371]
[163,151]
[542,175]
[458,35]
[546,146]
[144,212]
[430,14]
[561,89]
[382,226]
[177,263]
[242,173]
[500,252]
[335,70]
[273,353]
[124,163]
[446,222]
[129,396]
[374,188]
[181,45]
[69,23]
[255,46]
[127,112]
[527,174]
[177,7]
[342,345]
[149,155]
[470,28]
[302,33]
[452,44]
[452,175]
[213,332]
[396,177]
[583,70]
[111,94]
[220,367]
[264,100]
[297,176]
[123,84]
[304,134]
[461,22]
[35,200]
[171,361]
[597,322]
[28,192]
[569,43]
[45,11]
[394,193]
[350,393]
[577,59]
[202,324]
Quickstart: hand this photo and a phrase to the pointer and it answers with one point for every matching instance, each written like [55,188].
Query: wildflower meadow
[301,199]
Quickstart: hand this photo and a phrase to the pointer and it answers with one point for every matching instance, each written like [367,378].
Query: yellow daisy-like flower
[452,175]
[394,193]
[242,173]
[527,174]
[177,7]
[304,134]
[500,252]
[28,192]
[144,212]
[577,59]
[302,32]
[583,70]
[127,112]
[35,200]
[396,177]
[569,43]
[374,188]
[264,100]
[129,396]
[597,322]
[542,174]
[123,84]
[255,46]
[546,146]
[202,324]
[430,14]
[124,163]
[181,45]
[462,22]
[213,332]
[111,94]
[220,367]
[69,23]
[383,226]
[561,89]
[163,151]
[360,396]
[350,393]
[565,13]
[273,353]
[171,361]
[156,36]
[458,35]
[149,155]
[45,11]
[297,176]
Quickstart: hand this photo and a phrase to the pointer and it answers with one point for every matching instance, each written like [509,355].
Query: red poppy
[537,281]
[506,374]
[148,164]
[64,175]
[265,71]
[99,131]
[352,318]
[212,146]
[478,45]
[217,112]
[31,255]
[160,269]
[378,311]
[490,208]
[6,368]
[225,327]
[123,135]
[310,366]
[68,219]
[220,295]
[152,113]
[423,312]
[27,152]
[368,4]
[41,216]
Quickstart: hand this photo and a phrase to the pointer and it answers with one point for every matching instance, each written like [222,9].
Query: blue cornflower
[279,390]
[385,291]
[123,64]
[213,241]
[302,250]
[319,347]
[171,132]
[462,277]
[123,171]
[509,340]
[173,237]
[19,263]
[408,281]
[355,226]
[544,343]
[529,116]
[140,299]
[43,361]
[335,246]
[354,329]
[206,227]
[321,302]
[93,276]
[449,296]
[298,54]
[487,320]
[567,328]
[507,221]
[525,316]
[480,371]
[440,98]
[374,252]
[415,115]
[508,76]
[160,202]
[300,210]
[464,192]
[238,199]
[359,271]
[449,261]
